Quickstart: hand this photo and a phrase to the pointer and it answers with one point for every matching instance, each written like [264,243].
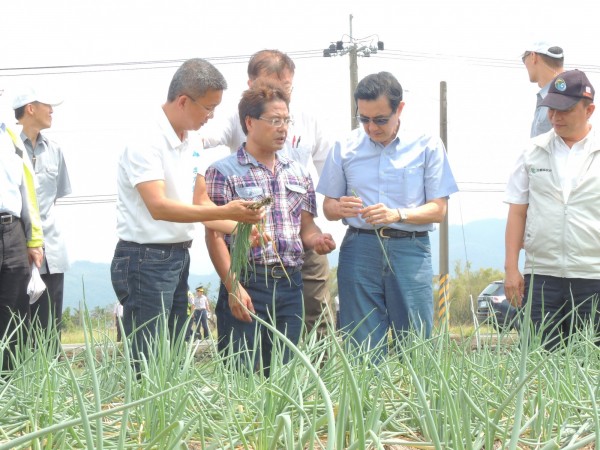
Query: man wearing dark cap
[554,197]
[543,62]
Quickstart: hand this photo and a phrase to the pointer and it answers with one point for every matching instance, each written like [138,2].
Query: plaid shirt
[240,176]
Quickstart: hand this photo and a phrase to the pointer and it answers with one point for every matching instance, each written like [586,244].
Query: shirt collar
[41,139]
[245,158]
[169,132]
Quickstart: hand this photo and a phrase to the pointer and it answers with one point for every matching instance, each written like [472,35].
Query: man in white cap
[34,110]
[543,62]
[21,240]
[553,197]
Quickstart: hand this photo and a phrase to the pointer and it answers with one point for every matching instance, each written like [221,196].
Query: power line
[135,65]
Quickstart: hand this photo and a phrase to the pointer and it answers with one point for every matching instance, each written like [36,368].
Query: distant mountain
[88,281]
[480,242]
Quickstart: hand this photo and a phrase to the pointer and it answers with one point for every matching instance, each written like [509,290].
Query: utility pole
[353,57]
[444,281]
[354,48]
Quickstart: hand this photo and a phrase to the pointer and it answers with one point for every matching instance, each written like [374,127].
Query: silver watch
[403,215]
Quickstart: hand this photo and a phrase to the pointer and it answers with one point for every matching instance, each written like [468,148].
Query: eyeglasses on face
[379,121]
[278,121]
[524,57]
[209,111]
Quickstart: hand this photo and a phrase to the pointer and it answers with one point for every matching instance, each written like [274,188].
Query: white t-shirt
[156,153]
[201,302]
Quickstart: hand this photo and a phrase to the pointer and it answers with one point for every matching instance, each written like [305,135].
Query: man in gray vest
[553,197]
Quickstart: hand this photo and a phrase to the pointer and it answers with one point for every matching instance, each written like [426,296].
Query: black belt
[185,244]
[274,270]
[7,219]
[386,232]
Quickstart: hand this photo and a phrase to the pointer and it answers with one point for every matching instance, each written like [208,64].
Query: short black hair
[375,85]
[254,100]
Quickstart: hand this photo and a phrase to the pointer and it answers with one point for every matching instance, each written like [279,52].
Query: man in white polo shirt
[155,214]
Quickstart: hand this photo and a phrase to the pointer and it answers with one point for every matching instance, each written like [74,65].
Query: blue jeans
[561,306]
[278,301]
[375,297]
[150,281]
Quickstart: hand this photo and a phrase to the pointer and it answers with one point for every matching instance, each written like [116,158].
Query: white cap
[29,95]
[543,48]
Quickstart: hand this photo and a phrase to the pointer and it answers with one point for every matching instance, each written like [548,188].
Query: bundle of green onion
[241,243]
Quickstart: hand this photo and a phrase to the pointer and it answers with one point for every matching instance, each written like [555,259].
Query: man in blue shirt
[543,62]
[390,188]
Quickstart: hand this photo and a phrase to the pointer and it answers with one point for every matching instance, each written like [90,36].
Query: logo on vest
[537,170]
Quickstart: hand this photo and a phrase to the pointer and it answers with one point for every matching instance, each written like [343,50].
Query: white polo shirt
[155,153]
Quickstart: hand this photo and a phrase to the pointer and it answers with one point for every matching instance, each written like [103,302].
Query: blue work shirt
[409,172]
[541,123]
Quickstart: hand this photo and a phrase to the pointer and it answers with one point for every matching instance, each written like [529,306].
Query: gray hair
[194,78]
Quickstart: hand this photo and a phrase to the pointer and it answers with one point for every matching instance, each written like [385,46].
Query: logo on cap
[560,85]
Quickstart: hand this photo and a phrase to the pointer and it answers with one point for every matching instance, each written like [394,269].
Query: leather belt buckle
[6,220]
[381,234]
[277,272]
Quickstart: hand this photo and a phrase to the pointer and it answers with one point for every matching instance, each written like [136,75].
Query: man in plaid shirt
[272,288]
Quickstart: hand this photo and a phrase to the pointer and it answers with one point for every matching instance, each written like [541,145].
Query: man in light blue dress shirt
[389,188]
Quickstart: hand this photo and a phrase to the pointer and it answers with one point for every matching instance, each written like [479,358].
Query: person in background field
[272,288]
[390,187]
[21,242]
[554,197]
[34,113]
[305,144]
[118,313]
[155,214]
[543,62]
[201,308]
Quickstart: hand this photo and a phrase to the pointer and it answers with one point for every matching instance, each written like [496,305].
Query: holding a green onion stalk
[389,187]
[264,280]
[155,218]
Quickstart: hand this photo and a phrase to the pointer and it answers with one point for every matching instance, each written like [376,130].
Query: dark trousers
[317,301]
[15,273]
[277,301]
[201,321]
[48,309]
[562,306]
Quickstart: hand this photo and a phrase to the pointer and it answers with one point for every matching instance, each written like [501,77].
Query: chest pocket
[295,196]
[249,192]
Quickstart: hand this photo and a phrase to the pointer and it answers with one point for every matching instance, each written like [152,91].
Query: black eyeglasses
[379,121]
[524,57]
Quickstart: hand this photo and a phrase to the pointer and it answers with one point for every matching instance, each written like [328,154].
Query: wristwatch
[402,214]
